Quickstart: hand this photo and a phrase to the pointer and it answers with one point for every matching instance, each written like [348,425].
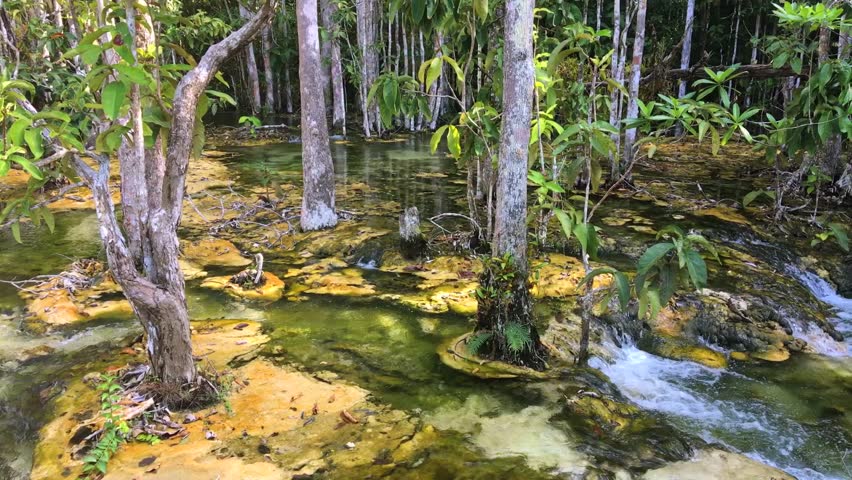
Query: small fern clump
[518,337]
[476,341]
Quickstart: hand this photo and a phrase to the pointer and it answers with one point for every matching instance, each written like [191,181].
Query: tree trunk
[269,78]
[325,49]
[288,85]
[337,87]
[510,310]
[155,286]
[251,67]
[366,13]
[616,95]
[318,190]
[687,44]
[635,76]
[412,242]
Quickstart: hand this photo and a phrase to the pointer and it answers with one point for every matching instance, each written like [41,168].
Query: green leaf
[840,235]
[47,215]
[34,141]
[566,222]
[481,9]
[133,74]
[453,141]
[697,269]
[653,255]
[436,138]
[418,8]
[16,232]
[16,131]
[28,166]
[623,286]
[434,71]
[113,98]
[751,196]
[5,165]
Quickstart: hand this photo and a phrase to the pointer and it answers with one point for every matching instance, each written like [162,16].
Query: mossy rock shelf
[454,354]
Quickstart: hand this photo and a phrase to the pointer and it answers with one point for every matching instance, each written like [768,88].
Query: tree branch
[186,96]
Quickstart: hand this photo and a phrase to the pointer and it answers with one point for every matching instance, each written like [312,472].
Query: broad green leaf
[653,255]
[436,138]
[697,269]
[481,9]
[16,131]
[16,231]
[34,141]
[434,71]
[27,166]
[47,215]
[453,141]
[751,196]
[840,235]
[133,74]
[566,222]
[418,8]
[113,98]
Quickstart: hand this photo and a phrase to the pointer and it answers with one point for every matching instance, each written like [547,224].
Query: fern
[477,341]
[517,337]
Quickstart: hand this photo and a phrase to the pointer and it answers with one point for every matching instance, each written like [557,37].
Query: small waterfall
[719,405]
[842,321]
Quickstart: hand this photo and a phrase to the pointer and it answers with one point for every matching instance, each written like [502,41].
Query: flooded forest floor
[335,363]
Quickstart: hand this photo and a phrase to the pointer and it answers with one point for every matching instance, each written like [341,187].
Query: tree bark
[635,76]
[510,309]
[156,289]
[366,13]
[616,96]
[251,67]
[268,76]
[687,44]
[338,90]
[318,190]
[325,49]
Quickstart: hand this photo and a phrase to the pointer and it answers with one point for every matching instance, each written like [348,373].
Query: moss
[214,252]
[681,349]
[270,290]
[454,354]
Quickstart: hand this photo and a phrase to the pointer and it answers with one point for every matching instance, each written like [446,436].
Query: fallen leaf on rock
[348,417]
[147,461]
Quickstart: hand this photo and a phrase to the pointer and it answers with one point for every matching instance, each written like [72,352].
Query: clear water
[793,415]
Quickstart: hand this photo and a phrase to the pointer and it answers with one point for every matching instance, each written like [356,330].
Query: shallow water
[780,414]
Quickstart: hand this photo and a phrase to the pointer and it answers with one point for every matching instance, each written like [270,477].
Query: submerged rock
[271,288]
[214,252]
[717,464]
[455,354]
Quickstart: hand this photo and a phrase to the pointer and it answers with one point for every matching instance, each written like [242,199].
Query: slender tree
[318,190]
[268,77]
[635,77]
[143,259]
[251,70]
[507,315]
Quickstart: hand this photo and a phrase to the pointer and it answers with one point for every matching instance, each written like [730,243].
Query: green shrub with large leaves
[668,265]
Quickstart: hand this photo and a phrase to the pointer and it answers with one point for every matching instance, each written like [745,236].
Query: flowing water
[793,415]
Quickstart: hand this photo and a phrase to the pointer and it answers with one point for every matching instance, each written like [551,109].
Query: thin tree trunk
[269,78]
[326,23]
[635,76]
[318,189]
[366,13]
[156,293]
[288,85]
[496,315]
[251,67]
[615,95]
[337,87]
[687,44]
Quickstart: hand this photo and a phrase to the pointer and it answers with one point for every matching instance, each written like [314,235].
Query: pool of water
[794,415]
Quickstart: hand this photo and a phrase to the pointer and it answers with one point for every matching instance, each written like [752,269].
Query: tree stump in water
[412,243]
